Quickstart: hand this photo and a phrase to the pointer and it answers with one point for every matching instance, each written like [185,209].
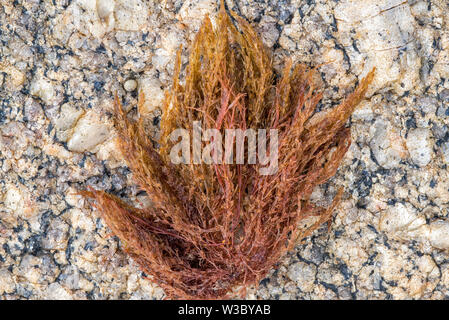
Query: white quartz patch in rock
[364,111]
[43,89]
[401,220]
[56,292]
[105,8]
[192,12]
[130,15]
[154,95]
[91,17]
[165,54]
[439,234]
[19,202]
[13,199]
[419,146]
[374,34]
[7,284]
[80,219]
[442,66]
[98,17]
[88,133]
[387,145]
[404,222]
[66,120]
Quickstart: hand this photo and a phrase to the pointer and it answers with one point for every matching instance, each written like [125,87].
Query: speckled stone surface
[62,61]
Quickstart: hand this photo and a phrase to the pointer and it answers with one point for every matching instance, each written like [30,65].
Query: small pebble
[419,145]
[130,85]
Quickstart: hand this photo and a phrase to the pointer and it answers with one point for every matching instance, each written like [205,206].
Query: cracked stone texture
[62,61]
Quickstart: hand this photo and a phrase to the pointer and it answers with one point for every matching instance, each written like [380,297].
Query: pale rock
[19,202]
[426,264]
[64,25]
[405,223]
[192,12]
[57,150]
[390,265]
[60,257]
[89,132]
[88,262]
[56,292]
[445,274]
[81,220]
[66,120]
[445,152]
[439,234]
[98,17]
[363,111]
[43,89]
[130,15]
[67,117]
[132,283]
[153,93]
[268,31]
[15,138]
[350,252]
[90,17]
[7,284]
[292,33]
[161,58]
[334,66]
[419,146]
[7,165]
[108,152]
[70,277]
[29,268]
[303,274]
[416,285]
[73,198]
[402,221]
[84,18]
[33,110]
[76,41]
[17,77]
[105,8]
[387,145]
[327,274]
[442,65]
[85,284]
[401,192]
[380,31]
[56,236]
[427,105]
[441,112]
[440,192]
[130,85]
[13,199]
[165,54]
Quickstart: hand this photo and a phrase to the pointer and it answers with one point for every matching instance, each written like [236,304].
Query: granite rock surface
[62,61]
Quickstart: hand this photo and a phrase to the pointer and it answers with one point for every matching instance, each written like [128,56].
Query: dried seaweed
[213,228]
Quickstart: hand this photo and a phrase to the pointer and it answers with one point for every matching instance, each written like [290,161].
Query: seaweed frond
[214,227]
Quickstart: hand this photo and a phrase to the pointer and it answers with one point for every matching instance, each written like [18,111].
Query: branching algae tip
[216,227]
